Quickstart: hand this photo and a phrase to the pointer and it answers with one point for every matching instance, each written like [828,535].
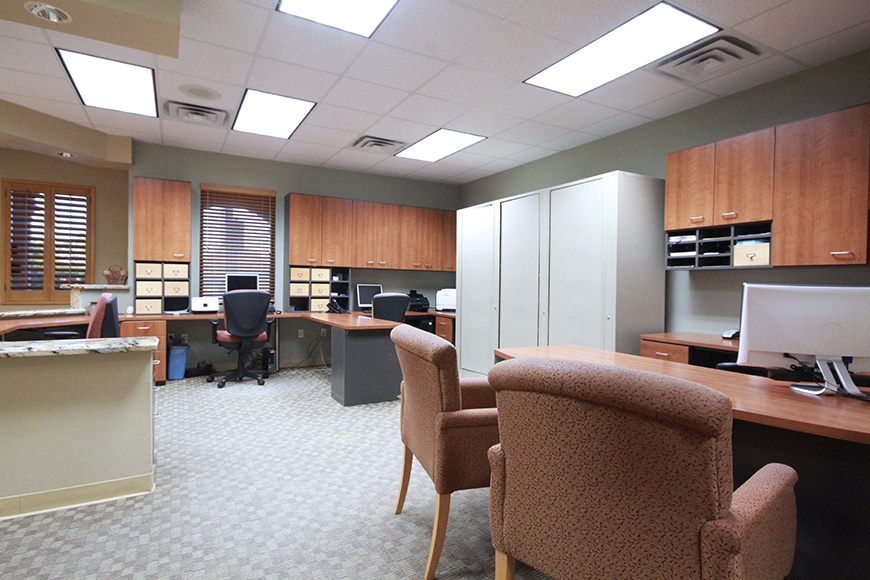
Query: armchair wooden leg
[406,478]
[442,511]
[505,566]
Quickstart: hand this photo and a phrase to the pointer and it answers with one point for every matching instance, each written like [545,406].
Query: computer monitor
[365,293]
[242,281]
[819,325]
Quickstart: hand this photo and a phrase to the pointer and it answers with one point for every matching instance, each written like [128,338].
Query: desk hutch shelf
[312,288]
[717,247]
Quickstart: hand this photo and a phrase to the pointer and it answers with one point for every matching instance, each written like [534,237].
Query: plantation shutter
[48,234]
[237,234]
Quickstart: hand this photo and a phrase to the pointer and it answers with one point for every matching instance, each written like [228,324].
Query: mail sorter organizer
[312,288]
[162,287]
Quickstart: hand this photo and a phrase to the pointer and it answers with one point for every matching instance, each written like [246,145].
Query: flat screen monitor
[819,325]
[242,281]
[365,293]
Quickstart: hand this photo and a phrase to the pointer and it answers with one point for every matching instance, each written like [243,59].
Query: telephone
[334,306]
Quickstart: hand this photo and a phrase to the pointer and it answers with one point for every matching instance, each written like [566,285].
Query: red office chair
[247,328]
[104,321]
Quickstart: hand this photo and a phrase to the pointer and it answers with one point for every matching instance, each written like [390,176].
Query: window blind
[237,234]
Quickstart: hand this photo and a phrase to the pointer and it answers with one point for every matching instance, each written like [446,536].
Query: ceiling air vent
[195,114]
[712,58]
[377,144]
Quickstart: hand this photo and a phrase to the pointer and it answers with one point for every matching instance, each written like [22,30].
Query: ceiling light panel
[109,84]
[439,145]
[649,36]
[360,17]
[270,115]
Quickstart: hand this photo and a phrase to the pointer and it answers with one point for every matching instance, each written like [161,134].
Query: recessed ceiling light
[270,115]
[649,36]
[48,12]
[357,16]
[439,145]
[110,84]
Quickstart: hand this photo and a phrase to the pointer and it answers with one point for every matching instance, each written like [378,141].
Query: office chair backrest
[104,319]
[245,312]
[390,306]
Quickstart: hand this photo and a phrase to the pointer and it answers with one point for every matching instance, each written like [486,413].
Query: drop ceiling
[455,64]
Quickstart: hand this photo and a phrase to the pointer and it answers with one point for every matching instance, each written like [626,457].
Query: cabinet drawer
[320,289]
[664,351]
[149,270]
[148,288]
[159,359]
[752,254]
[297,274]
[146,328]
[444,327]
[176,271]
[319,304]
[176,288]
[149,306]
[320,274]
[297,289]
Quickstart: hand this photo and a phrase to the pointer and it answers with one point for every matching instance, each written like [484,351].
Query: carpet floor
[278,481]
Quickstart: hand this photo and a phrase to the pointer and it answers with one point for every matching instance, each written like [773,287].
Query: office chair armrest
[757,535]
[214,329]
[269,323]
[477,393]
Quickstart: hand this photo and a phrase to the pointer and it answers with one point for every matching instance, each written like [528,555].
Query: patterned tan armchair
[447,423]
[605,472]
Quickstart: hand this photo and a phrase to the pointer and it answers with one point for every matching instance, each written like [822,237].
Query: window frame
[50,293]
[211,275]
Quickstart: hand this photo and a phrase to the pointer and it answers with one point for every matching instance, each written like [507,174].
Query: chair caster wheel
[222,384]
[261,382]
[209,379]
[265,375]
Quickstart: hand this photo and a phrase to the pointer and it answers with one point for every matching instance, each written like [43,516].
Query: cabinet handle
[148,270]
[330,261]
[178,255]
[428,265]
[663,354]
[448,266]
[729,215]
[370,261]
[696,218]
[417,264]
[838,254]
[312,259]
[155,362]
[382,263]
[175,272]
[143,328]
[751,255]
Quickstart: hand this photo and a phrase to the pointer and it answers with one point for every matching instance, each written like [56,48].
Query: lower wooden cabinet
[150,328]
[664,351]
[444,327]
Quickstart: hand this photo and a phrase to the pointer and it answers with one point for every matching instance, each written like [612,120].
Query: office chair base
[237,377]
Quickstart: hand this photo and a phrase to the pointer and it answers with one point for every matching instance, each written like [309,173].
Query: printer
[445,299]
[418,303]
[204,304]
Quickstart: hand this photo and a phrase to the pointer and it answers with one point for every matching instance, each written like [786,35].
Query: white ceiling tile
[727,13]
[798,22]
[401,130]
[298,152]
[576,114]
[437,28]
[495,147]
[752,75]
[832,47]
[308,44]
[109,121]
[616,124]
[242,140]
[569,141]
[525,101]
[22,32]
[38,86]
[483,122]
[532,133]
[532,154]
[355,159]
[324,115]
[196,132]
[27,56]
[461,84]
[427,110]
[290,80]
[515,52]
[72,112]
[186,142]
[501,8]
[467,158]
[577,21]
[364,96]
[688,98]
[224,22]
[324,136]
[401,165]
[209,62]
[394,67]
[633,90]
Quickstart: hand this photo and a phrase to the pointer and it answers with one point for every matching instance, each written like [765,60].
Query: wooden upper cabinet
[305,229]
[365,234]
[689,184]
[447,246]
[336,242]
[389,236]
[161,220]
[822,169]
[743,190]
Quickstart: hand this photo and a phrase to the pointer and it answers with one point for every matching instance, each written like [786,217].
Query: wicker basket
[115,275]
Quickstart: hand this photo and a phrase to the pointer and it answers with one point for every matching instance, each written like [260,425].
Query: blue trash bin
[177,361]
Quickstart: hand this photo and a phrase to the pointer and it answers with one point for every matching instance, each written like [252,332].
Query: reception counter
[76,422]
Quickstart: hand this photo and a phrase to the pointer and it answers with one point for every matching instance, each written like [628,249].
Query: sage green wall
[110,219]
[703,301]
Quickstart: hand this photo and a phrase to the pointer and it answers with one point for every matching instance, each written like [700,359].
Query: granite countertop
[40,313]
[77,346]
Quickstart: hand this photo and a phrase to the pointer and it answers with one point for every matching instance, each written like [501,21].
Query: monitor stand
[835,375]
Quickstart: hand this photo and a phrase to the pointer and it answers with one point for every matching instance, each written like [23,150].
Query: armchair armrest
[756,538]
[477,393]
[463,438]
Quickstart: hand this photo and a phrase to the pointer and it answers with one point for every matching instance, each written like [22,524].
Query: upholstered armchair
[605,472]
[447,423]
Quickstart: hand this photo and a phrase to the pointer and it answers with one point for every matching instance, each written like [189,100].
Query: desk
[825,439]
[689,347]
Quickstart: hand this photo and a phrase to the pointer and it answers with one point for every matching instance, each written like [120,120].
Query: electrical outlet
[171,338]
[322,332]
[184,338]
[301,333]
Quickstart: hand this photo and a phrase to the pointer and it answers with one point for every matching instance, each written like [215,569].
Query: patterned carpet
[277,481]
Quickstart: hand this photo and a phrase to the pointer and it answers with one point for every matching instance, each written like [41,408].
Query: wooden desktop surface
[754,399]
[698,339]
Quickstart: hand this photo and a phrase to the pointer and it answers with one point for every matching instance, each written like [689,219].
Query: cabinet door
[744,179]
[161,220]
[821,190]
[365,234]
[337,224]
[305,229]
[476,294]
[689,187]
[389,235]
[446,259]
[420,235]
[519,269]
